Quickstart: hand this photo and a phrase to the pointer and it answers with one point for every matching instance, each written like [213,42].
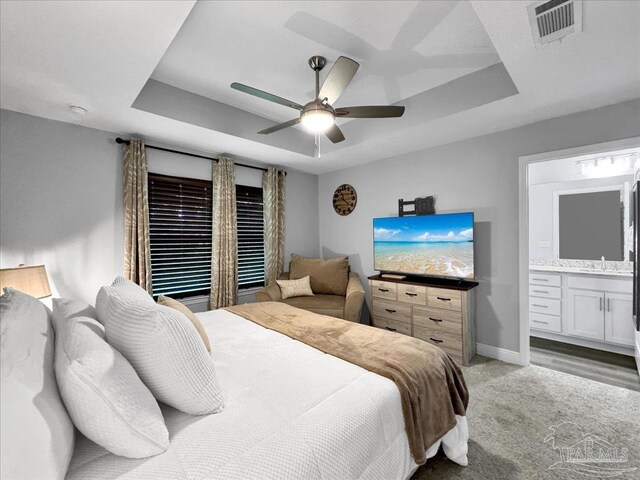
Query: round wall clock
[345,199]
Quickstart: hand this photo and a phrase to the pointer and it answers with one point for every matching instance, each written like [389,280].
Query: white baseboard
[498,353]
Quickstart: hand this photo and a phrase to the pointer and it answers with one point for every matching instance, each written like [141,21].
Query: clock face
[344,199]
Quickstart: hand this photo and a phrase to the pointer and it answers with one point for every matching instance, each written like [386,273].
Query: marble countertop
[581,271]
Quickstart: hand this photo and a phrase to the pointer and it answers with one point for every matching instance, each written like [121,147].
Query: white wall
[61,201]
[479,174]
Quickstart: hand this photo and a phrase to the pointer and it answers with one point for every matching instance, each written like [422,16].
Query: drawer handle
[437,320]
[540,279]
[435,340]
[383,289]
[539,321]
[538,305]
[411,294]
[540,291]
[444,299]
[391,329]
[390,310]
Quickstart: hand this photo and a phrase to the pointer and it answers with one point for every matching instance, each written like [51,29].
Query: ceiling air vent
[552,20]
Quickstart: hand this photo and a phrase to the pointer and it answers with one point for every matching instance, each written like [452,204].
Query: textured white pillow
[104,396]
[162,345]
[295,288]
[37,435]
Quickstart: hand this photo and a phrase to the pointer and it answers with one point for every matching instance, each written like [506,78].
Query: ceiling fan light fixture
[317,121]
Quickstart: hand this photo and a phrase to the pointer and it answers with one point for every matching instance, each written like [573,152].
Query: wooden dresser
[440,314]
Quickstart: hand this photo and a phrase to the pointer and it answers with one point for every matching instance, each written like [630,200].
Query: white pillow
[295,288]
[162,345]
[37,435]
[104,396]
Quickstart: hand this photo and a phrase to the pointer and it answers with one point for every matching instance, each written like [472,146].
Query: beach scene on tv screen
[439,245]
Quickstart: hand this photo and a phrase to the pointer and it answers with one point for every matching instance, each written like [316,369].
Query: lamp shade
[31,280]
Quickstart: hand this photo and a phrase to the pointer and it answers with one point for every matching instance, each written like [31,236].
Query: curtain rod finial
[120,141]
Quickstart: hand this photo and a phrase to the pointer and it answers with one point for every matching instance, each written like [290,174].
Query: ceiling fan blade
[334,134]
[280,126]
[265,95]
[370,111]
[338,78]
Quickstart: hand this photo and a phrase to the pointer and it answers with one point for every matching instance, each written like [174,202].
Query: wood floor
[606,367]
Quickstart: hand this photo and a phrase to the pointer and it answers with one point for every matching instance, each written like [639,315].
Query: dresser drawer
[392,325]
[452,344]
[544,291]
[392,310]
[445,321]
[382,289]
[412,294]
[544,279]
[540,321]
[443,298]
[545,306]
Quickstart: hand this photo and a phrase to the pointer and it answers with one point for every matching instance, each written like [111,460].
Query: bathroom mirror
[590,224]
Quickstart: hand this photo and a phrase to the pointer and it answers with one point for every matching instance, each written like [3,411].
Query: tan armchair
[348,306]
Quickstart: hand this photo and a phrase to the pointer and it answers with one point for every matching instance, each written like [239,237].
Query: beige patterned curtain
[273,185]
[137,256]
[224,250]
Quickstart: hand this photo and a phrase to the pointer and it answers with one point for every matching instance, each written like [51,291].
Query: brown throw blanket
[431,385]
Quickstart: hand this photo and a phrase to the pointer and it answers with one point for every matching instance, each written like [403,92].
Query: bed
[291,412]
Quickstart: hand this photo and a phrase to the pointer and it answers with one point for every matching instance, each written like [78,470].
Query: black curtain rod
[213,159]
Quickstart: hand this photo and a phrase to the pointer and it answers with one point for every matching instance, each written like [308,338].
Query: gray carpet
[511,409]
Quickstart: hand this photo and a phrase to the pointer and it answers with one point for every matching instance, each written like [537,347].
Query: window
[180,232]
[250,209]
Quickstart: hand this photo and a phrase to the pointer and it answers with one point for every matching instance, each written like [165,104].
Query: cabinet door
[618,319]
[586,313]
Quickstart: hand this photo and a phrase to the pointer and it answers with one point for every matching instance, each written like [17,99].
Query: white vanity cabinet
[585,314]
[600,316]
[600,309]
[589,310]
[617,325]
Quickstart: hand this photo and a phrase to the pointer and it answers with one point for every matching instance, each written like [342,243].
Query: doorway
[577,231]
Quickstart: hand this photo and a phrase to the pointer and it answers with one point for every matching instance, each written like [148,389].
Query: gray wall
[60,202]
[479,174]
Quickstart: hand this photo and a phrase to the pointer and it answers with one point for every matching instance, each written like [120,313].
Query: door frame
[523,230]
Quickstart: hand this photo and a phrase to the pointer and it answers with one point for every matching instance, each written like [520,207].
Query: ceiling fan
[319,115]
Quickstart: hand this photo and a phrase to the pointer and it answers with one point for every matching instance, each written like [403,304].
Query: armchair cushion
[329,277]
[332,305]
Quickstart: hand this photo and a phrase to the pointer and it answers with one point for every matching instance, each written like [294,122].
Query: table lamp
[31,279]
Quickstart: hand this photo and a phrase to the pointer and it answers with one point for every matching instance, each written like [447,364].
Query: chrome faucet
[603,264]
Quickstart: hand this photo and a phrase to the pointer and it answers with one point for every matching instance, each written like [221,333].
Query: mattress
[291,411]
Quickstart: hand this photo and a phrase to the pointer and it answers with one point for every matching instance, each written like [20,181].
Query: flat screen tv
[427,245]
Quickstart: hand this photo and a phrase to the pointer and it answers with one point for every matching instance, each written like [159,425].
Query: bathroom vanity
[583,306]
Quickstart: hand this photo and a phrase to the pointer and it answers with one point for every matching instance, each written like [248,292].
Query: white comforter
[291,412]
